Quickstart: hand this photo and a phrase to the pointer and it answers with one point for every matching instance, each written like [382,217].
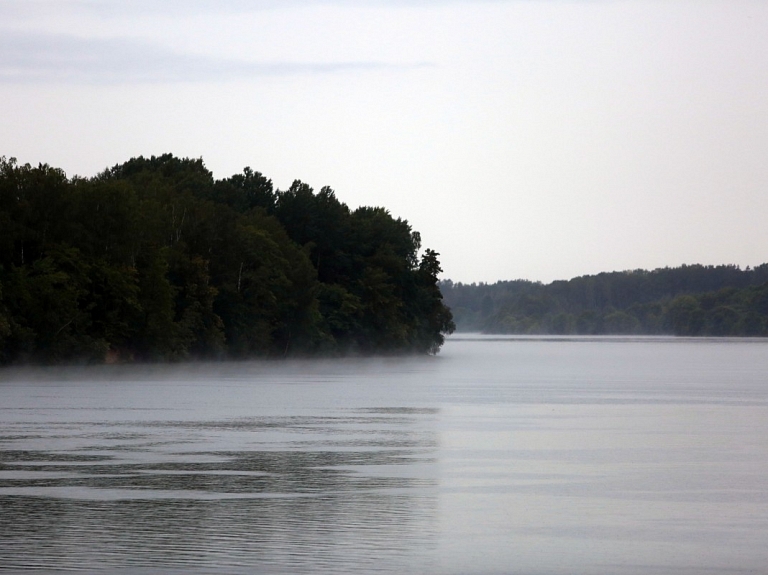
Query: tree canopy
[689,300]
[154,259]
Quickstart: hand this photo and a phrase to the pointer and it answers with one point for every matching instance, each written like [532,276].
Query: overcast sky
[537,139]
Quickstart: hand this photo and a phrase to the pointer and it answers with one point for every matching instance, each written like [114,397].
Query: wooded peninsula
[690,300]
[155,260]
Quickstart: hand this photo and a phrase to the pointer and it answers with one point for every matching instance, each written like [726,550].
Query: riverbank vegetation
[155,260]
[691,300]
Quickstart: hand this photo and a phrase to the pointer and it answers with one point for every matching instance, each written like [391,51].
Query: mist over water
[500,455]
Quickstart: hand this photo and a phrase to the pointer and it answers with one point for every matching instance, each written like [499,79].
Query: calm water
[501,455]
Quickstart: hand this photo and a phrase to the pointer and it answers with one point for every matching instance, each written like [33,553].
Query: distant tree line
[154,260]
[691,300]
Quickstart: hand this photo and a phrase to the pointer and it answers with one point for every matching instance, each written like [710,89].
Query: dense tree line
[154,259]
[688,300]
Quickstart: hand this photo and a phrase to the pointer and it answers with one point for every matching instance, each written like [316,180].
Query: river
[514,455]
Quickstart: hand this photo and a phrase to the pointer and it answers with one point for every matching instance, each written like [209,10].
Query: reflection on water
[286,534]
[312,492]
[527,456]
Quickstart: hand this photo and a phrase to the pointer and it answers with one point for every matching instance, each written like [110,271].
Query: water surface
[501,455]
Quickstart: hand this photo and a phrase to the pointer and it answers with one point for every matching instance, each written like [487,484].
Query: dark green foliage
[243,192]
[688,301]
[373,293]
[153,260]
[438,319]
[50,303]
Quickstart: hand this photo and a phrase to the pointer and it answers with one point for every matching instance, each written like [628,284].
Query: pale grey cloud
[57,58]
[108,7]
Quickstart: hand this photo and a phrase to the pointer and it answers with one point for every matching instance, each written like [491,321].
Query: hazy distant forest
[154,259]
[689,300]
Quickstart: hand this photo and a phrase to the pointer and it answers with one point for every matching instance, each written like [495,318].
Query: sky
[524,139]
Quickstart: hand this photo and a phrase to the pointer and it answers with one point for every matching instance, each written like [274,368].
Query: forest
[690,300]
[156,260]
